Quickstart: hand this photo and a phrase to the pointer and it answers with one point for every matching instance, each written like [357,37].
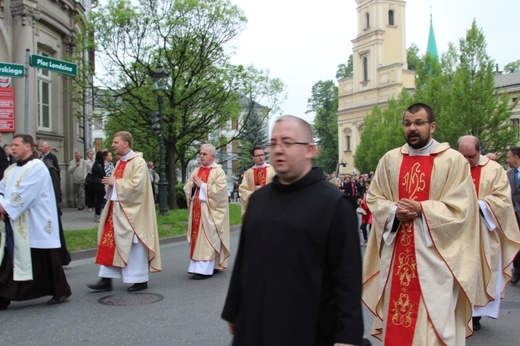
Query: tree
[193,41]
[345,70]
[255,136]
[382,131]
[324,102]
[513,66]
[460,89]
[412,57]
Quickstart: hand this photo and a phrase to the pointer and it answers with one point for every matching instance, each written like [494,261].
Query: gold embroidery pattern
[108,237]
[414,181]
[48,227]
[16,199]
[402,311]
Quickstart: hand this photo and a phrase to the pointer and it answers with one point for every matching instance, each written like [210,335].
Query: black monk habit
[297,275]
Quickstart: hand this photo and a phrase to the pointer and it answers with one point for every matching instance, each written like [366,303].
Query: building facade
[380,71]
[42,103]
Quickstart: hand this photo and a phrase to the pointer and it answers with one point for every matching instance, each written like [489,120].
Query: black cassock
[297,275]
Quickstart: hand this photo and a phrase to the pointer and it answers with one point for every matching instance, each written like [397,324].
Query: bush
[181,197]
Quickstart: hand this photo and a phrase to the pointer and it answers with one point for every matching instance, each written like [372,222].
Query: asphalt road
[187,311]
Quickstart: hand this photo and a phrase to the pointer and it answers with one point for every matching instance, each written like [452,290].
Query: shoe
[364,243]
[516,277]
[105,284]
[138,287]
[59,300]
[96,218]
[81,208]
[217,271]
[476,323]
[4,303]
[90,209]
[200,277]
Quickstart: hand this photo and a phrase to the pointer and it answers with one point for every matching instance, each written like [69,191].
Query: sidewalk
[74,219]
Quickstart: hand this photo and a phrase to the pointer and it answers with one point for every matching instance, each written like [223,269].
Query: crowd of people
[440,226]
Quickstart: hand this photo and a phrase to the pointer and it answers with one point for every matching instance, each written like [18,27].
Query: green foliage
[412,57]
[193,40]
[345,70]
[513,66]
[460,89]
[173,224]
[181,197]
[383,131]
[254,134]
[324,103]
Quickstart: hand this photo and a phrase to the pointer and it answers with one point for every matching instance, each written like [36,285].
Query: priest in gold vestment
[208,222]
[255,177]
[128,238]
[500,236]
[422,260]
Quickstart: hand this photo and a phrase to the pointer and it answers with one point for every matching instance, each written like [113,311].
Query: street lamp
[159,83]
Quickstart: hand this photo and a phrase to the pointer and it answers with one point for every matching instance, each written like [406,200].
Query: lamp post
[159,77]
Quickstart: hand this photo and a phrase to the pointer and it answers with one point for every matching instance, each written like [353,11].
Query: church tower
[380,71]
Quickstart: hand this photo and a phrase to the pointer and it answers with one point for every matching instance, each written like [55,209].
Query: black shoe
[105,284]
[516,277]
[476,323]
[59,300]
[4,303]
[200,277]
[217,271]
[81,208]
[138,287]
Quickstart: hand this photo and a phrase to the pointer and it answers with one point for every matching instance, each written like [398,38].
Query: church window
[365,69]
[347,143]
[391,17]
[367,20]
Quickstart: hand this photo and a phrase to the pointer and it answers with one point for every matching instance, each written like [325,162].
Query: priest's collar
[260,166]
[23,162]
[424,151]
[128,155]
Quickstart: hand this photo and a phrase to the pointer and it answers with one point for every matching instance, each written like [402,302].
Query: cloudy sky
[303,41]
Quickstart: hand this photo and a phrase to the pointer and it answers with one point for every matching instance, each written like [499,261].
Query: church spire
[432,46]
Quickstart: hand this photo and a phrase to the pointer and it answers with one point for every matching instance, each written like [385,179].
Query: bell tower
[380,70]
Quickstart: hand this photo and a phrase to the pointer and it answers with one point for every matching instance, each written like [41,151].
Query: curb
[90,253]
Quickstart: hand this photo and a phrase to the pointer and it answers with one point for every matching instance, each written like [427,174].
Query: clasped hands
[407,209]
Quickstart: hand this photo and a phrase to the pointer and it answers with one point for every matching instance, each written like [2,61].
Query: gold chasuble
[406,290]
[208,226]
[254,177]
[131,215]
[420,281]
[500,245]
[107,245]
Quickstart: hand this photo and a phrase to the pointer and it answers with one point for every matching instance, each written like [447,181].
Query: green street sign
[11,70]
[55,65]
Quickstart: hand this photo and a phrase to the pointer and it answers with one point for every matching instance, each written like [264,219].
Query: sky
[303,41]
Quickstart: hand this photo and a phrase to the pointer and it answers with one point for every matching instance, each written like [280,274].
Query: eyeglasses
[417,123]
[285,144]
[259,155]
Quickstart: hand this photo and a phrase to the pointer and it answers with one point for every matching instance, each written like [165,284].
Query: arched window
[365,68]
[367,20]
[391,17]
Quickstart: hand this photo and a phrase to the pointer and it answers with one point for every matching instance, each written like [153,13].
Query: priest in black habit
[297,275]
